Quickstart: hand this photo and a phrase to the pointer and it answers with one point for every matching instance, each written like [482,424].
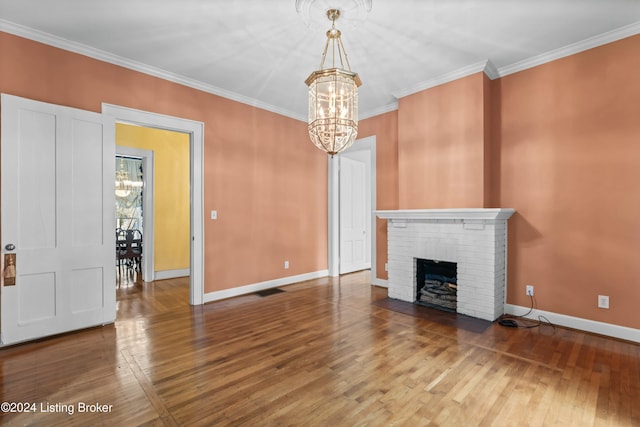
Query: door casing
[368,143]
[195,130]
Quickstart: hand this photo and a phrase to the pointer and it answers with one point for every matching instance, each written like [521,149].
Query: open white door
[57,218]
[355,212]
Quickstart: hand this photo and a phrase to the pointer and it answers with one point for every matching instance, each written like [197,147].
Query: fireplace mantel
[459,213]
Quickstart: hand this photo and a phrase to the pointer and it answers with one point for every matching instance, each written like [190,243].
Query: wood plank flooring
[319,354]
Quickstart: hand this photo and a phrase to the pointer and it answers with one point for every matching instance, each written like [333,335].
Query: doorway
[129,190]
[367,145]
[72,285]
[129,221]
[168,154]
[195,130]
[143,217]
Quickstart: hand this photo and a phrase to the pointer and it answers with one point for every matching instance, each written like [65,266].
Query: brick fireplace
[474,239]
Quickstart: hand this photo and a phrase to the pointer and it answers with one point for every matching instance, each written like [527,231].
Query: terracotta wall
[269,185]
[441,146]
[560,144]
[263,176]
[569,137]
[385,129]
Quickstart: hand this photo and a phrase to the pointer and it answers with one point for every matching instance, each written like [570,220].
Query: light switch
[214,214]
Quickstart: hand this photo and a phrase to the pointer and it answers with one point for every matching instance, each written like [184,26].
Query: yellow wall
[171,191]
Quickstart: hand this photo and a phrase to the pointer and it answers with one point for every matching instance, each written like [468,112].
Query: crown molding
[485,66]
[572,49]
[82,49]
[490,70]
[377,111]
[447,77]
[494,73]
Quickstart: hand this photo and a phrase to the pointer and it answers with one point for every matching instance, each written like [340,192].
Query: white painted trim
[485,66]
[490,70]
[101,55]
[442,79]
[196,146]
[171,274]
[377,111]
[493,73]
[248,289]
[448,214]
[148,178]
[333,225]
[368,143]
[380,282]
[608,329]
[572,49]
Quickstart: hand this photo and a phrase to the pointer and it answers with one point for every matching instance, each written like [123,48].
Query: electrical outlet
[603,301]
[529,290]
[386,266]
[286,264]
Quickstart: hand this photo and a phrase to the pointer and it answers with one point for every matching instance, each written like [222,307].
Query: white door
[58,212]
[355,215]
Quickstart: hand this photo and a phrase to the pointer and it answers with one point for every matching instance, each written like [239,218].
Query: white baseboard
[248,289]
[380,282]
[171,274]
[608,329]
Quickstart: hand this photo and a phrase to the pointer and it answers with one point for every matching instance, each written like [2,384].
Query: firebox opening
[436,284]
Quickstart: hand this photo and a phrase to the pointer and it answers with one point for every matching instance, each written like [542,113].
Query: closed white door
[355,212]
[57,218]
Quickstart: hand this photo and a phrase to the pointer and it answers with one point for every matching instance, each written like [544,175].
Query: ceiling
[260,52]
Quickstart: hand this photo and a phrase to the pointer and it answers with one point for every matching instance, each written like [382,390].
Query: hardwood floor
[319,354]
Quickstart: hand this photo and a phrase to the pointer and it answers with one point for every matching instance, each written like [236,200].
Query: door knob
[10,247]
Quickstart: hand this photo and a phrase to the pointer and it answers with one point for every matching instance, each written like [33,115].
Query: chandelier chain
[332,35]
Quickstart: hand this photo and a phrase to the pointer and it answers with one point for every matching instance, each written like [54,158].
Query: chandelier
[129,181]
[333,97]
[123,184]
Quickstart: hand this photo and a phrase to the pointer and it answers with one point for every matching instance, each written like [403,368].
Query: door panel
[57,209]
[36,298]
[86,169]
[36,175]
[86,290]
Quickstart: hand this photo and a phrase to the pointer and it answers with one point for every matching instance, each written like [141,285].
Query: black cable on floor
[509,320]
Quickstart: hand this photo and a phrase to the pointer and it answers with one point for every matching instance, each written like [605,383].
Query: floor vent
[267,292]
